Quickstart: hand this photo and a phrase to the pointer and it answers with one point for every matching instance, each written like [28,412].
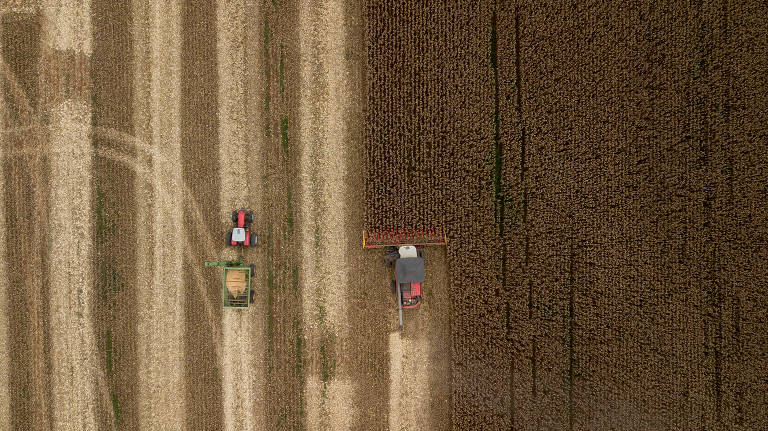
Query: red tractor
[241,234]
[407,260]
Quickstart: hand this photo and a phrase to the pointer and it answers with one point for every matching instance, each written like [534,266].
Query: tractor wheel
[393,287]
[234,216]
[253,240]
[249,217]
[229,238]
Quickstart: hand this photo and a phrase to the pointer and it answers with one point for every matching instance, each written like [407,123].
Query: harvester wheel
[229,238]
[249,217]
[234,216]
[393,286]
[253,240]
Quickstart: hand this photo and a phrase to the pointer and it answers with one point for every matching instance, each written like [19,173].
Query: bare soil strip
[200,160]
[67,36]
[74,351]
[242,365]
[323,168]
[161,298]
[409,391]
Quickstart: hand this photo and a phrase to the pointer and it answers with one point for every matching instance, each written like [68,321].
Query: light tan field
[185,111]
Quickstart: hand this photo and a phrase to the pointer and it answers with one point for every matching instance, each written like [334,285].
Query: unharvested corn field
[600,170]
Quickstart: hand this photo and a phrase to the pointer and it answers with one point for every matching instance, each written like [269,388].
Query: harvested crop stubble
[161,299]
[275,102]
[5,344]
[205,345]
[324,165]
[114,210]
[73,350]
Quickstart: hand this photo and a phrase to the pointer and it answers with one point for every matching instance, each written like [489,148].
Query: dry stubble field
[600,171]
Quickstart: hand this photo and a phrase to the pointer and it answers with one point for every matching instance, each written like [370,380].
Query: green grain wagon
[235,284]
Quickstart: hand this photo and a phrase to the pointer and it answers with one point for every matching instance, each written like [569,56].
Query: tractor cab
[409,274]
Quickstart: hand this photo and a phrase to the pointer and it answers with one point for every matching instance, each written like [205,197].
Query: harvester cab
[409,274]
[406,254]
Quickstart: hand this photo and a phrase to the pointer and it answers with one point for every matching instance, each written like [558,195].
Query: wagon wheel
[253,270]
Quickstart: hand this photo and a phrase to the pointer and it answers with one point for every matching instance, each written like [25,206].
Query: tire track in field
[160,295]
[242,363]
[325,100]
[140,162]
[66,35]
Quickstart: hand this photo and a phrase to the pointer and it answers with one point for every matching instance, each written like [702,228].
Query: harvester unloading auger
[405,252]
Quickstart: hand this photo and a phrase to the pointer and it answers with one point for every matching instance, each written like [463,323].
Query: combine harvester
[405,252]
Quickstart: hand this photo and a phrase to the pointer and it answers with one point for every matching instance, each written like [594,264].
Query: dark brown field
[601,172]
